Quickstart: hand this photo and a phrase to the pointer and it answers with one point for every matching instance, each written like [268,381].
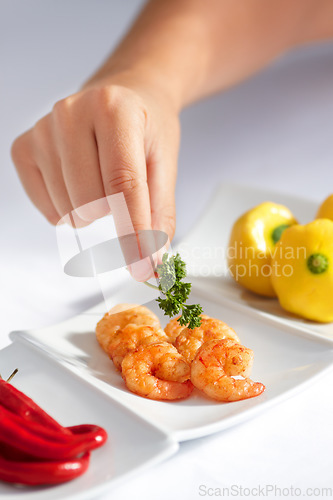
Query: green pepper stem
[277,232]
[317,263]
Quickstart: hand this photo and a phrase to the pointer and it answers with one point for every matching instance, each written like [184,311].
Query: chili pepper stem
[12,375]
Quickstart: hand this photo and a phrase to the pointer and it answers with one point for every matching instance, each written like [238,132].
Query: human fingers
[120,139]
[76,144]
[162,176]
[31,177]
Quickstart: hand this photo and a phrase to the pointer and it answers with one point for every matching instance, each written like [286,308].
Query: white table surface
[274,130]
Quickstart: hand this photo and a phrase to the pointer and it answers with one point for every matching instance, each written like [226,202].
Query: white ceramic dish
[63,368]
[204,250]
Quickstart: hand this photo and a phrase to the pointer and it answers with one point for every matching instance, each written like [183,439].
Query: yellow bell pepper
[252,242]
[302,270]
[326,209]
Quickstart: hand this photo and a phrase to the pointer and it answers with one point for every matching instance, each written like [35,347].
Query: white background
[275,130]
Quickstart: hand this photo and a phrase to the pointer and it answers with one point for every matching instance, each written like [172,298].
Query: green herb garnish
[170,273]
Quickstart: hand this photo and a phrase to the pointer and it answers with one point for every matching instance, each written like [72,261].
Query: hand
[114,136]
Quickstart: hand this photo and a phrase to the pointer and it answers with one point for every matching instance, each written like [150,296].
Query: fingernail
[141,270]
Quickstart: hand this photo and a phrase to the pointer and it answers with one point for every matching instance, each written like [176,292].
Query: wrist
[140,76]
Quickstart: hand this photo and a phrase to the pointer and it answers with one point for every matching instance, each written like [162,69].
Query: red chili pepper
[92,433]
[15,431]
[10,453]
[89,430]
[20,404]
[38,473]
[34,448]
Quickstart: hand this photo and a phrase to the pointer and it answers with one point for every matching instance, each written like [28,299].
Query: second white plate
[205,248]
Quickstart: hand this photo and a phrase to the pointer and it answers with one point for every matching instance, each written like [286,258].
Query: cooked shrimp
[189,341]
[157,371]
[130,337]
[214,366]
[173,328]
[120,316]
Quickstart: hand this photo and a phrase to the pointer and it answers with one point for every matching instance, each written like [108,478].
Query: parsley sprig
[176,292]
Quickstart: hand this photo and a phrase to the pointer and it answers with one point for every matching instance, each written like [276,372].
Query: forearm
[191,48]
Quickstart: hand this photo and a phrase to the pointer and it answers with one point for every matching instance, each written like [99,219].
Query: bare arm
[192,48]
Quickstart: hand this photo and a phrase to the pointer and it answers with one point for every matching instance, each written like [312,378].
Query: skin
[120,132]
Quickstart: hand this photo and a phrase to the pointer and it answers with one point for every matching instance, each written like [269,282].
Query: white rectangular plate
[283,362]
